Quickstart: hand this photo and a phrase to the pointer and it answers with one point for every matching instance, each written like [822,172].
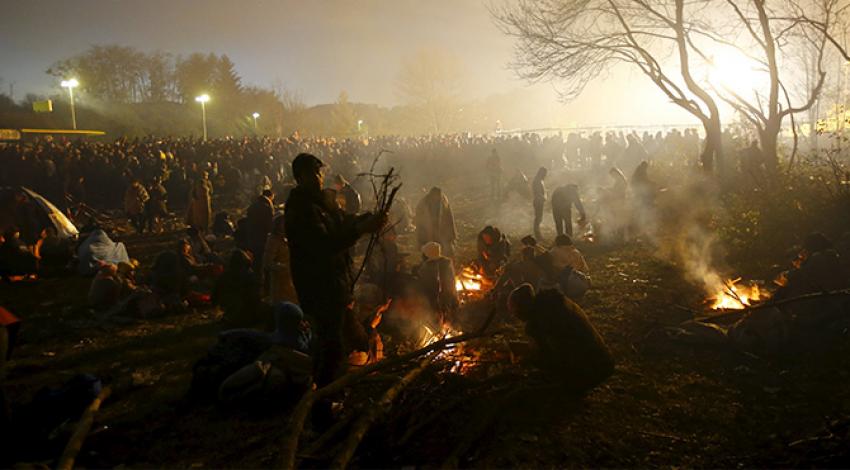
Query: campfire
[471,284]
[462,359]
[731,295]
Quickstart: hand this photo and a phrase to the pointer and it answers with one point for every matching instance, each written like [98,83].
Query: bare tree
[431,82]
[576,41]
[774,36]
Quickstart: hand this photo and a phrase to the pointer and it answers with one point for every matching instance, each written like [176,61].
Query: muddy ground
[668,404]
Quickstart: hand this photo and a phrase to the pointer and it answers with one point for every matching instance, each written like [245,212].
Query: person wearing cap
[320,238]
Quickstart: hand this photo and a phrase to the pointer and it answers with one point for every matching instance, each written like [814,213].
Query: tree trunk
[712,153]
[769,139]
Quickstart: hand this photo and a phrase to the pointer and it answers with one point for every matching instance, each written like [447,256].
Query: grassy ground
[668,404]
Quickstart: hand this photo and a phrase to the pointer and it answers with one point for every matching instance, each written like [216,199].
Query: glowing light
[256,115]
[72,83]
[202,98]
[732,70]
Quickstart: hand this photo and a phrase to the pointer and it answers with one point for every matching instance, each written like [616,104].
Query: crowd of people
[289,255]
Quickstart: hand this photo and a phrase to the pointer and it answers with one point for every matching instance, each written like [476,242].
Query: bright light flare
[202,98]
[256,115]
[71,83]
[732,70]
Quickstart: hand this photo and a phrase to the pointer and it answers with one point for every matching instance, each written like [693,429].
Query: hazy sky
[313,46]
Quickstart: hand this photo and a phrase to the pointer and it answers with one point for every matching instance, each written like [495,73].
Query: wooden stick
[66,462]
[291,435]
[358,430]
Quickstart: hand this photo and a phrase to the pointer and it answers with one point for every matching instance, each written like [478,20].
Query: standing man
[320,237]
[538,195]
[259,224]
[563,200]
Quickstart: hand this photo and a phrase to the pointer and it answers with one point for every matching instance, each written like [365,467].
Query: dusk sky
[317,48]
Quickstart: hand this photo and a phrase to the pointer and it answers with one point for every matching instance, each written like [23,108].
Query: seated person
[565,254]
[98,248]
[190,265]
[105,289]
[817,269]
[565,343]
[285,364]
[436,278]
[223,226]
[494,249]
[16,258]
[569,267]
[521,271]
[200,248]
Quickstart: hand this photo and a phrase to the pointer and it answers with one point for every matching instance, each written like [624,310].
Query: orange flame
[732,296]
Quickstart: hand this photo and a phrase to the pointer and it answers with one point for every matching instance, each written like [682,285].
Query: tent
[32,212]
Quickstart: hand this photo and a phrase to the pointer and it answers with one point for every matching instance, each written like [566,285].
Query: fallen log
[358,430]
[69,455]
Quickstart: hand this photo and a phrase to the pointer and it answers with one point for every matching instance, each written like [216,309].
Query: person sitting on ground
[283,367]
[494,249]
[16,258]
[238,292]
[565,254]
[200,248]
[223,226]
[190,265]
[817,269]
[436,277]
[565,343]
[569,268]
[105,289]
[521,271]
[531,242]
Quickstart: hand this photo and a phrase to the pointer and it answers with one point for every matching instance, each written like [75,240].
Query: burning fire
[462,359]
[732,296]
[469,280]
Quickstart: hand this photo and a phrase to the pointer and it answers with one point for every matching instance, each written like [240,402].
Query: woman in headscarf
[435,221]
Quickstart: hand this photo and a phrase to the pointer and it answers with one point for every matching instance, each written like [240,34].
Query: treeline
[124,91]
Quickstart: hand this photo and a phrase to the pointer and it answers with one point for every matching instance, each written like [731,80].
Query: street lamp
[70,85]
[255,116]
[203,100]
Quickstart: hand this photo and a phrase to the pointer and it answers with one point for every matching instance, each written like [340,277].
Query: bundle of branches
[385,187]
[358,428]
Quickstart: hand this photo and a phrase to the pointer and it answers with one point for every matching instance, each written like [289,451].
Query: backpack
[573,283]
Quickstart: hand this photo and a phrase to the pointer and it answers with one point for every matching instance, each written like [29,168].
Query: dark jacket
[319,241]
[260,221]
[566,196]
[567,342]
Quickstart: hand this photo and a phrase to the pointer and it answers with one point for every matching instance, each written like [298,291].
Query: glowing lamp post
[203,100]
[70,85]
[255,116]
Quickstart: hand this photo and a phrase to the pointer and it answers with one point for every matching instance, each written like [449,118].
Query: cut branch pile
[426,356]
